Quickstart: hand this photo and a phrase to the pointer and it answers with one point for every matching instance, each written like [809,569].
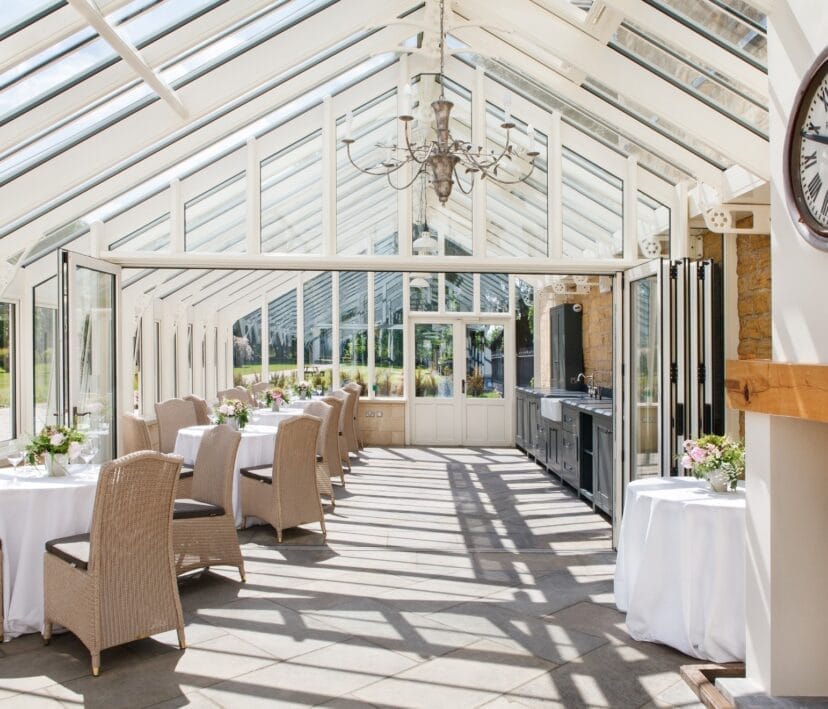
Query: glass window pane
[247,348]
[137,384]
[281,314]
[17,12]
[653,227]
[366,205]
[459,292]
[644,354]
[353,328]
[154,236]
[291,195]
[317,304]
[592,209]
[423,295]
[7,372]
[484,361]
[157,352]
[494,293]
[215,221]
[524,332]
[388,334]
[516,213]
[44,352]
[434,360]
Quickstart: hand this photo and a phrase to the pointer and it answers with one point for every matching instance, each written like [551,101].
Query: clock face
[807,147]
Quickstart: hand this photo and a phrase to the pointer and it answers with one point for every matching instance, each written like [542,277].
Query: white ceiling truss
[235,102]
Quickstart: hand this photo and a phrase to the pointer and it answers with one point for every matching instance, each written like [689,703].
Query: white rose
[225,410]
[56,439]
[74,450]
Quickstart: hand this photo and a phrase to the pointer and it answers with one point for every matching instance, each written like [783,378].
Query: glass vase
[56,465]
[719,481]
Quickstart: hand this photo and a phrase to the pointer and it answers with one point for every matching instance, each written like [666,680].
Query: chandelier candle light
[440,157]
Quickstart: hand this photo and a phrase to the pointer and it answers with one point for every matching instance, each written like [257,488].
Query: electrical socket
[379,414]
[369,414]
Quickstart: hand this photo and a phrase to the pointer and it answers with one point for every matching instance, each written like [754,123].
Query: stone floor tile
[31,700]
[466,677]
[679,695]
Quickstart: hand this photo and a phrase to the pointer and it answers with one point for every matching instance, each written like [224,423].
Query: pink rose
[686,462]
[56,439]
[698,454]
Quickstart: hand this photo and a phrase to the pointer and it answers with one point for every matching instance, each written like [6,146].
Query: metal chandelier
[442,157]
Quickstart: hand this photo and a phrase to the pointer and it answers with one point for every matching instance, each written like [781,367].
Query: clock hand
[816,137]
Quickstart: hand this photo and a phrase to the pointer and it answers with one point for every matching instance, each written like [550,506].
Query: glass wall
[317,309]
[216,220]
[524,332]
[7,372]
[353,328]
[247,348]
[388,334]
[494,293]
[45,353]
[136,368]
[459,292]
[281,331]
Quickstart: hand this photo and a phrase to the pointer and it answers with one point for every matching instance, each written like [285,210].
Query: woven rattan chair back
[353,387]
[260,387]
[294,472]
[343,419]
[214,466]
[244,395]
[201,409]
[332,455]
[348,420]
[226,394]
[323,412]
[136,434]
[172,415]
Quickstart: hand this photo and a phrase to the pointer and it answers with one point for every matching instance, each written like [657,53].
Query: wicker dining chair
[260,387]
[285,494]
[136,434]
[1,592]
[350,432]
[356,389]
[172,415]
[118,583]
[333,459]
[342,439]
[204,527]
[243,394]
[226,394]
[201,409]
[325,413]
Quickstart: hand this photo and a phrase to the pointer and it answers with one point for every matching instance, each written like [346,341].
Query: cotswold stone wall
[754,277]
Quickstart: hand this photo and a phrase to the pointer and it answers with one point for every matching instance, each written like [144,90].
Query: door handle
[463,387]
[76,414]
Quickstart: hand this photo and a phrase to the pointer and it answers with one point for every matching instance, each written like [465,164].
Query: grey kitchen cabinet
[602,462]
[570,468]
[553,446]
[567,346]
[520,418]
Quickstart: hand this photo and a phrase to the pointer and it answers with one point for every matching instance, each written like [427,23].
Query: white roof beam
[613,69]
[90,12]
[636,130]
[710,53]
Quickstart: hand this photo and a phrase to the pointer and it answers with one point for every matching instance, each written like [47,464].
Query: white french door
[89,304]
[460,384]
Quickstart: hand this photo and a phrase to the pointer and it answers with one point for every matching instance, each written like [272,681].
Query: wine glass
[15,456]
[88,451]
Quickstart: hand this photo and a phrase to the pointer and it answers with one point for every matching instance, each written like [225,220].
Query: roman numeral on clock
[824,210]
[823,96]
[815,185]
[809,161]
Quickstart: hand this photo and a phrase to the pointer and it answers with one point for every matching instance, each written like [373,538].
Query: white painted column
[554,188]
[335,329]
[631,210]
[329,245]
[264,329]
[300,326]
[478,112]
[371,336]
[680,224]
[731,318]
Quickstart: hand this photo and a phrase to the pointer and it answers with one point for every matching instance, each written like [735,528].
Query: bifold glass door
[89,290]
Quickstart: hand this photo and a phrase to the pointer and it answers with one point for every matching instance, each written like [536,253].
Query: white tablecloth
[300,404]
[266,417]
[32,512]
[256,448]
[680,571]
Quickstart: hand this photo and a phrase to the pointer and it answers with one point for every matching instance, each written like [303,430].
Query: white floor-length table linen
[299,405]
[266,417]
[33,511]
[256,448]
[680,570]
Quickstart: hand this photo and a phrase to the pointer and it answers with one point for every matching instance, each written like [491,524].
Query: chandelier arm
[460,184]
[515,181]
[368,171]
[413,149]
[408,184]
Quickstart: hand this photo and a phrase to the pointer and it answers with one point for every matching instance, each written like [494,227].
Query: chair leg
[96,664]
[182,641]
[324,529]
[241,573]
[279,536]
[47,632]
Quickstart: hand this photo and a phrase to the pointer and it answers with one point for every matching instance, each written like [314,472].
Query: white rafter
[90,12]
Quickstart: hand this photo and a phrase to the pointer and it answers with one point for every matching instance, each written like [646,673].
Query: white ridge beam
[90,12]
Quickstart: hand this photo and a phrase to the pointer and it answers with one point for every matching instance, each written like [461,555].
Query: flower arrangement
[54,440]
[277,395]
[714,455]
[303,388]
[233,409]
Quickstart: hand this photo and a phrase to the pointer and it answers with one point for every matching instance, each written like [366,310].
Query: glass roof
[17,13]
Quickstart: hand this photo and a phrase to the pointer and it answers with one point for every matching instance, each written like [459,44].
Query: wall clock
[806,156]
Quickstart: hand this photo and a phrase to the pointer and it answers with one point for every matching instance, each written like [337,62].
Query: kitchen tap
[593,392]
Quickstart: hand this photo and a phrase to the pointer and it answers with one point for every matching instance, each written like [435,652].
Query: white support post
[441,292]
[731,318]
[404,197]
[408,358]
[631,210]
[254,198]
[679,224]
[177,239]
[476,294]
[265,340]
[148,373]
[371,335]
[329,245]
[97,239]
[554,188]
[335,329]
[478,112]
[300,326]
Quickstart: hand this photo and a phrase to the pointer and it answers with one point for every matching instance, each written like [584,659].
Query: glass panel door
[437,404]
[45,353]
[486,406]
[90,289]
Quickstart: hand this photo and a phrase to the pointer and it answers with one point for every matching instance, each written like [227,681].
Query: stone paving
[451,577]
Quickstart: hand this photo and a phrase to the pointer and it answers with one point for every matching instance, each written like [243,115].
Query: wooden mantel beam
[778,388]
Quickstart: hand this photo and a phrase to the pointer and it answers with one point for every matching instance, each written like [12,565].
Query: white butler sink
[551,408]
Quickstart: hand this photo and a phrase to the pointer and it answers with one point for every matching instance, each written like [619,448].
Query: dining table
[34,509]
[680,568]
[257,446]
[268,417]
